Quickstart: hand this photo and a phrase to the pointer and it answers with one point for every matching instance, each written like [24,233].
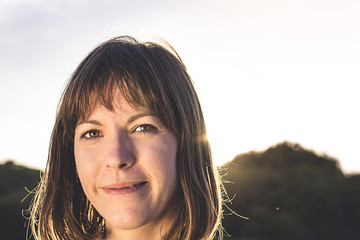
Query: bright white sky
[266,71]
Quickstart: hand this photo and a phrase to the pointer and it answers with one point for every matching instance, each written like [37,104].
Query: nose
[120,151]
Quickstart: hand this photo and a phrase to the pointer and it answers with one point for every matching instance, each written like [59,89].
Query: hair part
[150,75]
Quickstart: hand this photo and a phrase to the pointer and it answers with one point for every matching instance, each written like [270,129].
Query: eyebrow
[130,120]
[140,115]
[95,122]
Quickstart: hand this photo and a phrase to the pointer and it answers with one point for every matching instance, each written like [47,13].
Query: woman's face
[126,164]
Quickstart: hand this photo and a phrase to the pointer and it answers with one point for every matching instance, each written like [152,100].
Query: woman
[129,158]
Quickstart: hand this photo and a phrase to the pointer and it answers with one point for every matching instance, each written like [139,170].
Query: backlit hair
[151,75]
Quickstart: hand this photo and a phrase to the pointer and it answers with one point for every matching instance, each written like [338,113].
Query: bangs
[128,67]
[103,92]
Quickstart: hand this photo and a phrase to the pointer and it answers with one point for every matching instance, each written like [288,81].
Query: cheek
[164,162]
[80,155]
[169,164]
[85,157]
[85,166]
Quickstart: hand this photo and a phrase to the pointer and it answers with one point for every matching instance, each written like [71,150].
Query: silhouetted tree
[291,193]
[14,180]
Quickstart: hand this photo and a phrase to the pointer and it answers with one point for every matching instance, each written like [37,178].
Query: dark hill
[291,193]
[14,180]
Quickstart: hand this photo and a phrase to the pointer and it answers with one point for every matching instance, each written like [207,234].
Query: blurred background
[266,72]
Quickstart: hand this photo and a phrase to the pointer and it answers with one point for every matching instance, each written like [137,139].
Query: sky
[265,71]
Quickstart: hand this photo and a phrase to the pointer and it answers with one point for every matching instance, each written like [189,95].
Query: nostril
[123,165]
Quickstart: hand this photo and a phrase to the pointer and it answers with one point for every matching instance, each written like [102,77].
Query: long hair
[151,75]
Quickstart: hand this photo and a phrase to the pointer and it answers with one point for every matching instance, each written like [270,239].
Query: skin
[126,162]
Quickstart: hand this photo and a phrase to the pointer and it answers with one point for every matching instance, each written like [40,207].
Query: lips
[129,186]
[123,188]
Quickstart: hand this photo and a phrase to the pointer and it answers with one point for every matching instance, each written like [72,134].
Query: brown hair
[151,75]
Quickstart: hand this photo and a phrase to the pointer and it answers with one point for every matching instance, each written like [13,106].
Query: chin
[126,222]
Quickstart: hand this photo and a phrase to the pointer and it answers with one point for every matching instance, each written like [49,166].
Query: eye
[91,134]
[146,129]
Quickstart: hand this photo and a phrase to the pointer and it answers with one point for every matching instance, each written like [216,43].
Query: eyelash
[89,133]
[149,129]
[142,129]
